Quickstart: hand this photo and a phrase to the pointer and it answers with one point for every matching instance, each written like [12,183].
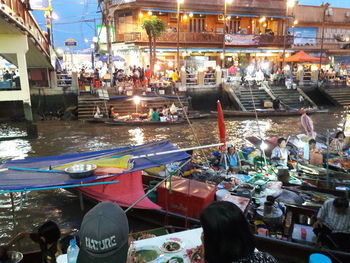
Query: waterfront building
[254,29]
[322,30]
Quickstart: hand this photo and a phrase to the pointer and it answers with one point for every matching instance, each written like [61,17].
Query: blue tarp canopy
[22,180]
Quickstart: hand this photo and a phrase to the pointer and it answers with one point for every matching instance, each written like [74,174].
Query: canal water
[57,137]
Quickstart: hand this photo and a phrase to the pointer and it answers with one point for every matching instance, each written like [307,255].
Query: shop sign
[70,42]
[241,40]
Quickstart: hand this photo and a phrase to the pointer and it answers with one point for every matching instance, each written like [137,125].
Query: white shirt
[338,223]
[282,154]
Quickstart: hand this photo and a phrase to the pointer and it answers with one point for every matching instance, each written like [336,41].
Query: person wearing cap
[104,235]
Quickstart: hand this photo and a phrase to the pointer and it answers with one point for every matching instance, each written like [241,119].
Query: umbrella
[301,56]
[104,58]
[221,126]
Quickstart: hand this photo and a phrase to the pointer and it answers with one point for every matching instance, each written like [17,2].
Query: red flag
[221,125]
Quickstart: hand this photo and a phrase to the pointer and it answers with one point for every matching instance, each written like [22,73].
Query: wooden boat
[191,116]
[267,113]
[143,123]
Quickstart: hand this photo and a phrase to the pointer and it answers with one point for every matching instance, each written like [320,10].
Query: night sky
[71,12]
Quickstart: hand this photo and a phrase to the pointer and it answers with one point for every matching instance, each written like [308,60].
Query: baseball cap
[104,235]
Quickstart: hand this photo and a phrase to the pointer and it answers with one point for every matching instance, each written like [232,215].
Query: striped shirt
[338,223]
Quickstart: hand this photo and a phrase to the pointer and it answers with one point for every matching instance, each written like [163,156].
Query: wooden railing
[18,11]
[203,37]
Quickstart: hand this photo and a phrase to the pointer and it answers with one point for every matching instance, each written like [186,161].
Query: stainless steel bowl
[14,257]
[80,170]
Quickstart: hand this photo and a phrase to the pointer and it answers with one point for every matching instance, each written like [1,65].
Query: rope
[257,120]
[192,129]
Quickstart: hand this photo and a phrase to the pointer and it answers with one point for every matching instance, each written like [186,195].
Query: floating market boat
[268,113]
[143,123]
[182,207]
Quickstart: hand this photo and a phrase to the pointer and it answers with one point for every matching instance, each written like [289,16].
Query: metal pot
[14,257]
[80,170]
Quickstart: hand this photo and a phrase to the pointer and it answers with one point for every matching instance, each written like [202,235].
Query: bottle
[72,251]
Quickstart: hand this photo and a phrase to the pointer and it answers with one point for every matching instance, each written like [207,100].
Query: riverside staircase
[243,96]
[339,96]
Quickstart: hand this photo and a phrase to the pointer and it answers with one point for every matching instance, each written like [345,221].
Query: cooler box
[188,197]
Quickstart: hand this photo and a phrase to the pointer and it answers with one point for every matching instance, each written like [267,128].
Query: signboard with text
[241,40]
[304,36]
[70,42]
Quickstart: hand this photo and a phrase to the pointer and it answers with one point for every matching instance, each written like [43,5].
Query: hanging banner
[241,40]
[102,34]
[44,5]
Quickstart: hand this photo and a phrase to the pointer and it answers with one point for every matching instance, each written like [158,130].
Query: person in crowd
[226,236]
[165,110]
[276,104]
[280,153]
[231,159]
[315,157]
[155,115]
[82,75]
[104,235]
[96,74]
[333,224]
[148,74]
[7,75]
[337,145]
[112,113]
[46,236]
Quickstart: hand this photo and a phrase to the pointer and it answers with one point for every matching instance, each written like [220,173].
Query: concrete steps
[259,97]
[288,97]
[339,96]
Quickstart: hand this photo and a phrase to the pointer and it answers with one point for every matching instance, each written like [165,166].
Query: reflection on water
[68,137]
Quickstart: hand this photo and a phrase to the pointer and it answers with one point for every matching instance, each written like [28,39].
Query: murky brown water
[56,137]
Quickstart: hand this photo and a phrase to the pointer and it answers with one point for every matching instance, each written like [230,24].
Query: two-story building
[253,29]
[322,29]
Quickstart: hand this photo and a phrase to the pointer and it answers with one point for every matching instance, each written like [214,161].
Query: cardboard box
[188,197]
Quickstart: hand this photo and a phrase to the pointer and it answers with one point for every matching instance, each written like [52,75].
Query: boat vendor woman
[280,154]
[112,113]
[155,115]
[338,143]
[230,159]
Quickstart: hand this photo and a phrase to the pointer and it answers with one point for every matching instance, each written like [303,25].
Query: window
[197,25]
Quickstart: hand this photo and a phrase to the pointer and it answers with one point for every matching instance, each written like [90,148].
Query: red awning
[301,56]
[125,193]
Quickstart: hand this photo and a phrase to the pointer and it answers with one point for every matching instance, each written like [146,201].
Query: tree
[154,27]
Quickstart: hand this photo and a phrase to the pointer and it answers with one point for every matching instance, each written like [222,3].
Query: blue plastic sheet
[22,180]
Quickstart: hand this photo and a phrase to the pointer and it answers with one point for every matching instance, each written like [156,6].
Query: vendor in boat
[46,236]
[337,145]
[112,113]
[230,159]
[280,153]
[154,115]
[315,157]
[333,224]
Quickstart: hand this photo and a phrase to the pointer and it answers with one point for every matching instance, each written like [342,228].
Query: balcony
[17,13]
[207,38]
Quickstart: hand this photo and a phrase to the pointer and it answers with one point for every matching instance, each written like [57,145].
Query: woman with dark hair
[280,153]
[226,236]
[338,143]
